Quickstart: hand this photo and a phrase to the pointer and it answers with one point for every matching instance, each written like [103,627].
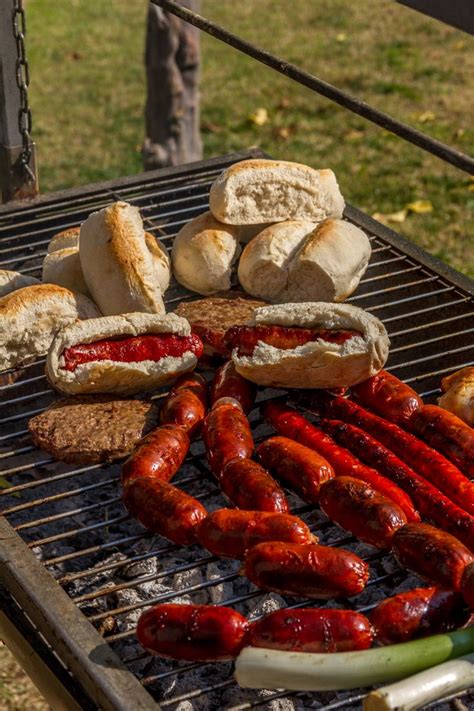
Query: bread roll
[104,376]
[265,261]
[116,262]
[161,260]
[317,364]
[458,395]
[11,281]
[203,253]
[258,190]
[30,317]
[64,240]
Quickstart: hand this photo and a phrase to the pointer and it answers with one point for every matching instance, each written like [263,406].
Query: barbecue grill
[76,571]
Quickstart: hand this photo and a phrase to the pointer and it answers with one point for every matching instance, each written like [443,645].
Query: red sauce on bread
[246,338]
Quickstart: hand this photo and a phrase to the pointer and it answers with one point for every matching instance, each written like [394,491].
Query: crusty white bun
[116,262]
[30,317]
[11,281]
[458,395]
[64,240]
[108,376]
[298,261]
[317,364]
[161,260]
[258,190]
[203,254]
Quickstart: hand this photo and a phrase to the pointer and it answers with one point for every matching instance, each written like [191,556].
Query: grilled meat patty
[89,429]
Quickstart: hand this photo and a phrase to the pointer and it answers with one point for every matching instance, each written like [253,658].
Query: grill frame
[103,676]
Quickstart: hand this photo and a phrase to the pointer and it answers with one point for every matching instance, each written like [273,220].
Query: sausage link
[418,613]
[186,403]
[227,435]
[389,397]
[288,422]
[311,571]
[229,532]
[431,503]
[195,633]
[418,455]
[358,508]
[310,630]
[446,433]
[432,554]
[164,509]
[160,454]
[246,338]
[467,586]
[297,466]
[249,486]
[229,383]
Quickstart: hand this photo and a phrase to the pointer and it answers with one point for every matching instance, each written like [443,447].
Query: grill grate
[72,517]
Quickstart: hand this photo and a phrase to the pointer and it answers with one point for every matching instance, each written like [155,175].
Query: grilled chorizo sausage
[446,433]
[467,585]
[164,509]
[227,435]
[432,554]
[389,397]
[288,422]
[160,455]
[418,455]
[249,486]
[312,571]
[246,338]
[431,502]
[230,532]
[312,630]
[418,613]
[301,469]
[229,383]
[196,633]
[186,403]
[358,508]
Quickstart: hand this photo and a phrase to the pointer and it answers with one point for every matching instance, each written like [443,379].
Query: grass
[87,97]
[17,692]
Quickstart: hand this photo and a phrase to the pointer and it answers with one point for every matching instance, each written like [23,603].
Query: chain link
[22,72]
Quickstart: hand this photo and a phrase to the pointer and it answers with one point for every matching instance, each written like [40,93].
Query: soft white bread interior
[266,260]
[116,262]
[258,190]
[63,267]
[458,395]
[318,364]
[64,240]
[107,376]
[30,317]
[11,281]
[203,253]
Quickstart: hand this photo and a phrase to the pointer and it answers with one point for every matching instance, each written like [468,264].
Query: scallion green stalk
[258,668]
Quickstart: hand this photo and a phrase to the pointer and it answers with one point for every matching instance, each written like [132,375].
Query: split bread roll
[317,364]
[458,397]
[11,281]
[117,265]
[114,376]
[259,190]
[62,264]
[296,261]
[30,317]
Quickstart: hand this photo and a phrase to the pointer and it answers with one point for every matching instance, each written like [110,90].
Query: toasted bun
[63,267]
[161,260]
[64,240]
[117,265]
[458,395]
[317,364]
[11,281]
[107,376]
[258,190]
[203,253]
[30,317]
[266,260]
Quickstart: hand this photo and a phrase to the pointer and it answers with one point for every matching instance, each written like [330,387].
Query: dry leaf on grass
[283,132]
[341,37]
[399,216]
[426,116]
[259,117]
[420,206]
[353,135]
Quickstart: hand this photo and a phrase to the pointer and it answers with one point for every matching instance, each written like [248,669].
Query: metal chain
[22,80]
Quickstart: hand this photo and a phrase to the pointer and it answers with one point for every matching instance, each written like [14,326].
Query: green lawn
[87,95]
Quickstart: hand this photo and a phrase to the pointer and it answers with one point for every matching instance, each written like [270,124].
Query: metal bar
[458,13]
[357,106]
[95,665]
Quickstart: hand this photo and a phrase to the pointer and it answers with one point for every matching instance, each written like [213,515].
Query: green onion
[425,687]
[258,668]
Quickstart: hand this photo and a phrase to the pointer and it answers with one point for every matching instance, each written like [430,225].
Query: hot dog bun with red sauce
[114,363]
[318,363]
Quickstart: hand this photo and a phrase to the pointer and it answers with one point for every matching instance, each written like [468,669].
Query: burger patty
[211,317]
[88,429]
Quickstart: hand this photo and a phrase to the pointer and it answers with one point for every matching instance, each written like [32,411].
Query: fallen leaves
[426,117]
[419,207]
[341,37]
[385,218]
[259,117]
